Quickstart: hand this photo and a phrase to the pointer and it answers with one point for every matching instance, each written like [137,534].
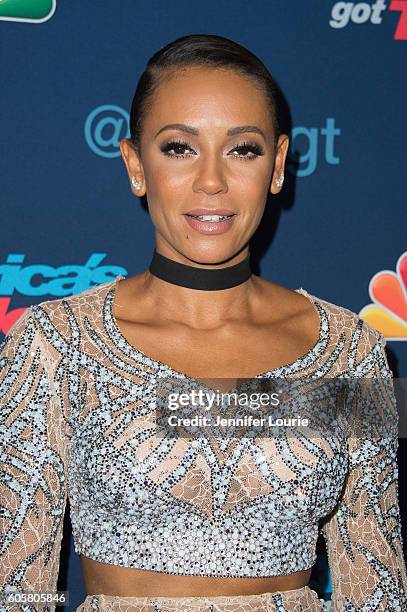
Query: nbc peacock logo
[31,11]
[388,292]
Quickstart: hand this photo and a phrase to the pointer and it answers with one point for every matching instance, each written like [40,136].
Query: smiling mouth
[211,218]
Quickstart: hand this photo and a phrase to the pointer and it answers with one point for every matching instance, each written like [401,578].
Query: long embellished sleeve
[363,534]
[32,465]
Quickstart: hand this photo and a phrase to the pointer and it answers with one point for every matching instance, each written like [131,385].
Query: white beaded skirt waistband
[294,600]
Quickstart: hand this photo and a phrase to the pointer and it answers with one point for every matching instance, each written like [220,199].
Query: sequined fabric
[76,408]
[296,600]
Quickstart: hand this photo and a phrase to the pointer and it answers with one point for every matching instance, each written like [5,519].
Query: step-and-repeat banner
[339,227]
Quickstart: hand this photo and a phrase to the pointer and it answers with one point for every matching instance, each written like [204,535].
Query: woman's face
[202,166]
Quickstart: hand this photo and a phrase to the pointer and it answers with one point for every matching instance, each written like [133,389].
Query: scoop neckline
[110,298]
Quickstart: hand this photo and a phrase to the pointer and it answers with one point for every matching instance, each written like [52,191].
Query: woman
[160,522]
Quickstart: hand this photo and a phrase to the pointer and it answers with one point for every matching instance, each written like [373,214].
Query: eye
[177,146]
[248,147]
[176,149]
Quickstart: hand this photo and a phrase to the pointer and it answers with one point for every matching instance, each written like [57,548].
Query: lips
[209,227]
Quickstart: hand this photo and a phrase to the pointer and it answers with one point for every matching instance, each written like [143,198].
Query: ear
[279,163]
[134,167]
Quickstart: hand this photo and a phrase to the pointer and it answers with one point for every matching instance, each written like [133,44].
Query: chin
[211,256]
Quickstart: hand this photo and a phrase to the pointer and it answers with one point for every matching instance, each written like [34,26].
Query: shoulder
[338,316]
[350,322]
[300,300]
[85,303]
[364,345]
[57,318]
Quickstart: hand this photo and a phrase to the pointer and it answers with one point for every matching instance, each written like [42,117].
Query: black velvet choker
[199,278]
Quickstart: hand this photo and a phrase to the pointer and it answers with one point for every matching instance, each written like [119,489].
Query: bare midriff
[104,579]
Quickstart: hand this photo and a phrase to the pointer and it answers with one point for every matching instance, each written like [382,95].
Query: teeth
[214,218]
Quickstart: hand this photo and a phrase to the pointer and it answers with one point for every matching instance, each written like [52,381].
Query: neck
[199,309]
[200,278]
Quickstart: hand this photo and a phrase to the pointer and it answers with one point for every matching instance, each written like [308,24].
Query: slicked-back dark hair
[203,50]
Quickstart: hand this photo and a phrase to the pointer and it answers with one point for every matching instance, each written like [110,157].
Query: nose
[210,177]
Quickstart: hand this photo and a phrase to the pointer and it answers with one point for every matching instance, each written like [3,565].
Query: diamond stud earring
[135,183]
[280,180]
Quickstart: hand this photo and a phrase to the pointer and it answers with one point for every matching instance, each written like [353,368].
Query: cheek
[166,180]
[252,182]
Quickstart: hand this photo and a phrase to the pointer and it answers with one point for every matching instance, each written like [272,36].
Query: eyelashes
[172,148]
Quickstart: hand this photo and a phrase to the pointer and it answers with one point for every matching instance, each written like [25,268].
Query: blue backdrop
[338,229]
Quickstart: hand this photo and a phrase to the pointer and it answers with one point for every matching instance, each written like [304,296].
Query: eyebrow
[241,129]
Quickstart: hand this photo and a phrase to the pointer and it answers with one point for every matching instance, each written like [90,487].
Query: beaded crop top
[76,414]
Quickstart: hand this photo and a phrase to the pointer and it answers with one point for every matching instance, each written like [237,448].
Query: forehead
[209,97]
